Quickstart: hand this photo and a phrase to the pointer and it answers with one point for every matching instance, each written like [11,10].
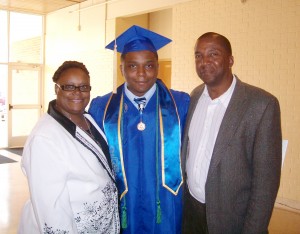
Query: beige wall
[64,41]
[265,37]
[132,7]
[161,22]
[122,24]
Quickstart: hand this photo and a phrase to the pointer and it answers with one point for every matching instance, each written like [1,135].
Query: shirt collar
[147,95]
[225,97]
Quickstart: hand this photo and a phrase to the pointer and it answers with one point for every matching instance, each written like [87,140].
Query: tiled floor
[14,193]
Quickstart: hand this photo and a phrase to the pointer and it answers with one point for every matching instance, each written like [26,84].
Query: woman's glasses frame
[72,88]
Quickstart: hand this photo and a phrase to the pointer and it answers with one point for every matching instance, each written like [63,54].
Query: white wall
[98,27]
[65,42]
[161,22]
[131,7]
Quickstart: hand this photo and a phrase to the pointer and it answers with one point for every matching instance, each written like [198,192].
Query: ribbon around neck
[170,135]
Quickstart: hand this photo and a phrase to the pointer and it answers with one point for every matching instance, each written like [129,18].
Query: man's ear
[122,69]
[55,89]
[231,61]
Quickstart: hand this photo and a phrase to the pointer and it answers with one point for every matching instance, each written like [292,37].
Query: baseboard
[288,204]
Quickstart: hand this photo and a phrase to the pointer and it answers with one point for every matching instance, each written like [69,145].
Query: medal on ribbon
[141,105]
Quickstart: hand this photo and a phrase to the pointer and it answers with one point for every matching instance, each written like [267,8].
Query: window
[25,41]
[4,37]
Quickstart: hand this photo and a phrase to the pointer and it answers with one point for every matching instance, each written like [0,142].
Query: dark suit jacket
[244,173]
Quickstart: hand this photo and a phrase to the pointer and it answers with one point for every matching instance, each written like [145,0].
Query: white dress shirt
[203,131]
[147,95]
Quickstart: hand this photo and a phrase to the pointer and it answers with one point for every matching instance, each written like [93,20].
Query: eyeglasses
[82,88]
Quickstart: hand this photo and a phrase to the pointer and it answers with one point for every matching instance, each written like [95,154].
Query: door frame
[19,141]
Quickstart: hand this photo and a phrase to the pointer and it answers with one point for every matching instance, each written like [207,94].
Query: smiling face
[213,62]
[140,70]
[72,103]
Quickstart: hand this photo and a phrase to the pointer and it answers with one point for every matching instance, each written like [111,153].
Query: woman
[68,168]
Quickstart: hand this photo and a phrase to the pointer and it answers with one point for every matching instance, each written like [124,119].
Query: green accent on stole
[158,208]
[171,140]
[170,133]
[112,123]
[158,212]
[124,215]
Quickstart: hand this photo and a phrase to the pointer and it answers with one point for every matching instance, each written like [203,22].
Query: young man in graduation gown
[143,123]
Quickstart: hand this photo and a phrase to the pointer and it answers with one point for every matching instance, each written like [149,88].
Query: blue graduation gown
[143,167]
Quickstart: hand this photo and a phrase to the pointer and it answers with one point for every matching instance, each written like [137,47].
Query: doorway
[164,72]
[24,101]
[21,62]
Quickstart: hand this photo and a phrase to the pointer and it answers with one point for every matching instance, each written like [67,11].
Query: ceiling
[37,6]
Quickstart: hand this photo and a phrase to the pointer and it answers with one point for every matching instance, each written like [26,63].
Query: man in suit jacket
[231,148]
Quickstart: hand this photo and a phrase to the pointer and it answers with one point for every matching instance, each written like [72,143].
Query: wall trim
[287,204]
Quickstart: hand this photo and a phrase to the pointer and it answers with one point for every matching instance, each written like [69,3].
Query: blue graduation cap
[136,39]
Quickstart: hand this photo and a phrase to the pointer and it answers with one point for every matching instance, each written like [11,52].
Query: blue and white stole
[170,135]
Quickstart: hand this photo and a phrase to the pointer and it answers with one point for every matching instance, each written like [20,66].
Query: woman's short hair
[67,65]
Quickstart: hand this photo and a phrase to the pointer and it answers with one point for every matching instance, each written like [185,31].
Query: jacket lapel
[233,115]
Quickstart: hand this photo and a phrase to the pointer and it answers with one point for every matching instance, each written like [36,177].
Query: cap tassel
[115,74]
[158,208]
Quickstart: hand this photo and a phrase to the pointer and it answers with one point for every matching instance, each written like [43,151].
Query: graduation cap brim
[136,39]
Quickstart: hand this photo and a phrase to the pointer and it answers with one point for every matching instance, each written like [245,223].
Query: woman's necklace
[88,130]
[81,126]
